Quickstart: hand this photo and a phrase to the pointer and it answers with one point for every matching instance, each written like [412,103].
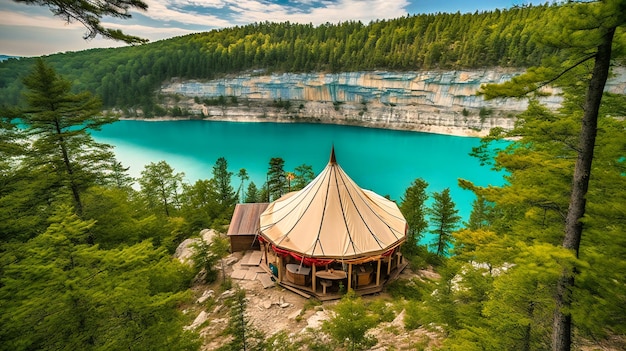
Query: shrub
[351,323]
[413,289]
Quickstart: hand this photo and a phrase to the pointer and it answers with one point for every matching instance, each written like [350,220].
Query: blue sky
[33,31]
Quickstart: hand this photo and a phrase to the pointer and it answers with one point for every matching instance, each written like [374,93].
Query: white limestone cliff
[432,101]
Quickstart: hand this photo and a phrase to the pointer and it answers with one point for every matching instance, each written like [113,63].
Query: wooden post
[378,273]
[280,268]
[349,276]
[313,278]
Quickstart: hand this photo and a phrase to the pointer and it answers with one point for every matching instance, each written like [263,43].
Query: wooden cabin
[244,226]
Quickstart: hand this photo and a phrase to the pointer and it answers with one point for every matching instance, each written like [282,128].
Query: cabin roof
[245,220]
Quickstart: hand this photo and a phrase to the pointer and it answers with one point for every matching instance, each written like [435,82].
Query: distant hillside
[6,57]
[130,76]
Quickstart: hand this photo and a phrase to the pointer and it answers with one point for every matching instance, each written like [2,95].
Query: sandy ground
[275,309]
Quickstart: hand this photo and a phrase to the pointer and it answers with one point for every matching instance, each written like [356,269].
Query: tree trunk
[562,322]
[529,328]
[70,172]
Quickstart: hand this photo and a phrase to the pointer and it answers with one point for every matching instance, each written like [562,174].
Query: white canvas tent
[333,219]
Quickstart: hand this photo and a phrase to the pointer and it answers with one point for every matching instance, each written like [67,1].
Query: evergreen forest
[129,76]
[86,251]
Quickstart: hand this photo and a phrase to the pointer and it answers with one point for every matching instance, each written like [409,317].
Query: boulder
[201,318]
[227,294]
[399,320]
[316,320]
[208,234]
[205,296]
[294,314]
[185,250]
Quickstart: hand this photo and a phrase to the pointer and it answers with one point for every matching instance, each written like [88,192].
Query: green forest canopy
[129,76]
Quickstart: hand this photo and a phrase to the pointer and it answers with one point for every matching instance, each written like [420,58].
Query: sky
[27,30]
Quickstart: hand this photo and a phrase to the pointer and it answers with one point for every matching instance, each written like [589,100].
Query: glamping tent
[333,232]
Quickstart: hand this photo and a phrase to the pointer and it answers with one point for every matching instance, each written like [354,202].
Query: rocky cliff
[433,101]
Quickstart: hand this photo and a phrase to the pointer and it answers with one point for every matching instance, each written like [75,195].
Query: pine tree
[243,176]
[58,122]
[24,195]
[58,293]
[351,323]
[119,176]
[227,197]
[303,176]
[245,336]
[200,204]
[276,178]
[480,215]
[252,194]
[444,219]
[413,209]
[161,186]
[583,32]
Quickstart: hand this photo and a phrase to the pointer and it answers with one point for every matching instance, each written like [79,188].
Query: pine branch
[555,78]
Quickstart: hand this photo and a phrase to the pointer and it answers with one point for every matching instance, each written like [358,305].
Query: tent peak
[332,155]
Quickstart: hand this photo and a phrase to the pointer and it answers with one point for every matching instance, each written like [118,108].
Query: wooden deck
[332,293]
[307,291]
[254,267]
[335,295]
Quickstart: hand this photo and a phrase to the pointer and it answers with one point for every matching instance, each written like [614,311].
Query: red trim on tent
[309,261]
[388,253]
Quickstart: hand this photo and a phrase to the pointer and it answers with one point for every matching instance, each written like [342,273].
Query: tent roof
[332,217]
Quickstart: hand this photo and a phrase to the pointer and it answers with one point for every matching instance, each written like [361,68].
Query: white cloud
[340,11]
[266,10]
[37,41]
[250,11]
[17,19]
[20,19]
[163,10]
[152,33]
[218,4]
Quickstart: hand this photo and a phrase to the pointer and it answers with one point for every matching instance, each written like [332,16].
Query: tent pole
[313,279]
[349,276]
[378,273]
[280,268]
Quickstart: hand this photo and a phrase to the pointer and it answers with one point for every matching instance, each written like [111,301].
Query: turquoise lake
[385,161]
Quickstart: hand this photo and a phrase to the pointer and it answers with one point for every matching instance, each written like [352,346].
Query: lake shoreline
[441,130]
[383,161]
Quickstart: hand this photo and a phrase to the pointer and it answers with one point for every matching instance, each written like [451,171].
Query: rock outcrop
[185,250]
[422,101]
